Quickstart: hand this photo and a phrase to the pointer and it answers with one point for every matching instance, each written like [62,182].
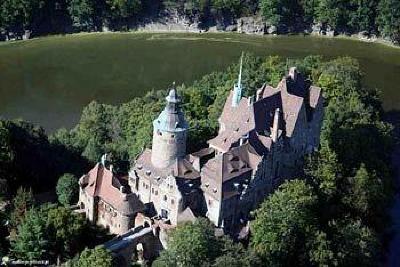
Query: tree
[389,19]
[190,244]
[362,15]
[284,223]
[308,7]
[231,6]
[368,197]
[235,255]
[279,12]
[22,202]
[4,244]
[26,145]
[6,158]
[356,244]
[66,229]
[120,11]
[94,130]
[6,153]
[81,13]
[99,256]
[17,15]
[4,190]
[31,242]
[321,251]
[67,189]
[325,172]
[332,13]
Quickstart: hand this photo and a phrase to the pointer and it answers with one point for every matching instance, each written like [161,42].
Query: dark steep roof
[180,168]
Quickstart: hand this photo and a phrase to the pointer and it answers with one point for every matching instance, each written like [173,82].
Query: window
[156,193]
[172,201]
[164,214]
[152,190]
[165,198]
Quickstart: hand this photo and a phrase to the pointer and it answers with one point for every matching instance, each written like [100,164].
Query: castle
[262,141]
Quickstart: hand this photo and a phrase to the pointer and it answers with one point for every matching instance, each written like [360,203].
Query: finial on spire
[237,91]
[173,96]
[240,71]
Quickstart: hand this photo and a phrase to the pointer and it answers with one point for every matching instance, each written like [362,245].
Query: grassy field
[48,80]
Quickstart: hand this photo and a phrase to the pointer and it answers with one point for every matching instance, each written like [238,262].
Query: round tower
[169,133]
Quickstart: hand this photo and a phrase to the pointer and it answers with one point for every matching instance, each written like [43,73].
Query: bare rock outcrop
[251,25]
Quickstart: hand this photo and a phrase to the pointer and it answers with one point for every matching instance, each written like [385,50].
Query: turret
[237,90]
[169,133]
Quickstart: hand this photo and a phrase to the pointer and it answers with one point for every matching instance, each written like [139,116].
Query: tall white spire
[237,90]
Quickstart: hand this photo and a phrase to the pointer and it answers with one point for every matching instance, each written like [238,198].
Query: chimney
[275,127]
[293,73]
[104,159]
[122,189]
[259,94]
[241,141]
[250,100]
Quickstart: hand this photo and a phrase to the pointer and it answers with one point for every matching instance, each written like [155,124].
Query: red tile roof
[101,182]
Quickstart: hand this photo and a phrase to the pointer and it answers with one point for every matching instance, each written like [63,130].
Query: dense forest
[334,214]
[41,17]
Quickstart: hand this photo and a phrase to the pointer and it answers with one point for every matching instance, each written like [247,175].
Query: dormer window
[215,190]
[148,172]
[207,184]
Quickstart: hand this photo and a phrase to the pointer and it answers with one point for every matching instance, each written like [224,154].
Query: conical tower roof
[171,118]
